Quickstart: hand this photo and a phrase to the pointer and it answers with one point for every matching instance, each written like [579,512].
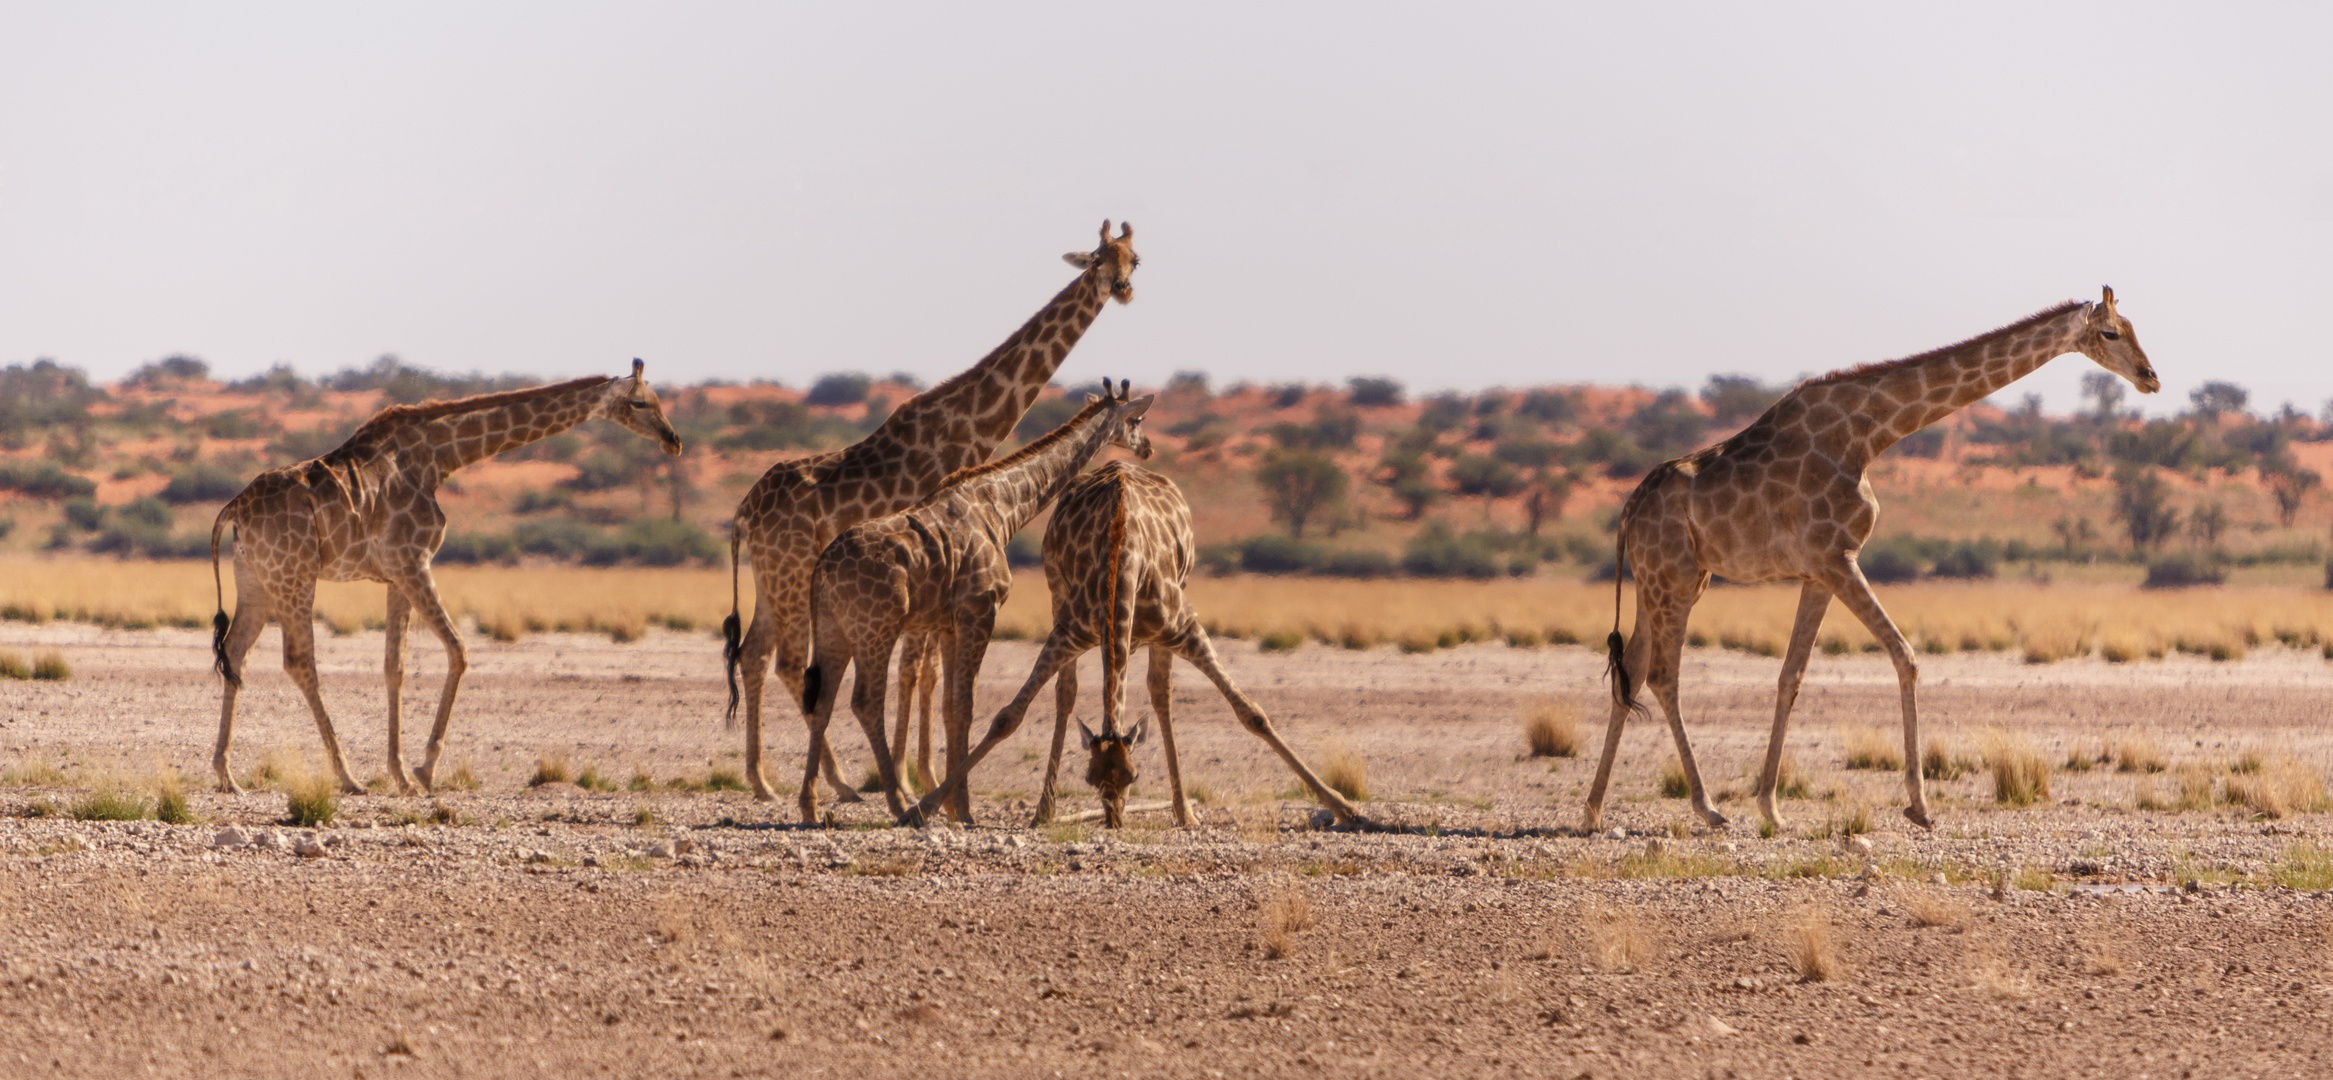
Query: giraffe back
[1155,552]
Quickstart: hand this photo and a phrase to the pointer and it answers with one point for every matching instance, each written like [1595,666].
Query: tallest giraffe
[800,506]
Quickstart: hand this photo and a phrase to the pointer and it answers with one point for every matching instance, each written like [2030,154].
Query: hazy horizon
[1454,198]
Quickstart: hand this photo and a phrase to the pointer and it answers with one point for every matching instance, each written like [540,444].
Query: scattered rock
[660,850]
[268,840]
[590,860]
[538,857]
[230,837]
[682,845]
[308,848]
[1717,1027]
[1860,845]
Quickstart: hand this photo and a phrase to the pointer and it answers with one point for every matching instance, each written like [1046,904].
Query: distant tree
[1288,396]
[1668,424]
[2213,398]
[907,379]
[1547,491]
[2142,503]
[1445,412]
[1374,392]
[1409,476]
[2290,484]
[1734,399]
[1188,384]
[2073,532]
[2105,390]
[1480,474]
[1551,406]
[1045,415]
[1300,485]
[2206,522]
[839,388]
[168,370]
[1332,428]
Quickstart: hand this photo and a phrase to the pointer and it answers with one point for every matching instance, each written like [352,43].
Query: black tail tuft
[1616,669]
[812,682]
[732,649]
[219,648]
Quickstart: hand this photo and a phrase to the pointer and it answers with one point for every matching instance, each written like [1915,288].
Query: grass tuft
[50,666]
[1617,941]
[2138,753]
[1551,728]
[170,802]
[2306,866]
[108,801]
[12,665]
[1932,908]
[1812,952]
[1287,914]
[1870,748]
[1940,760]
[312,799]
[2020,773]
[1346,773]
[1673,782]
[552,768]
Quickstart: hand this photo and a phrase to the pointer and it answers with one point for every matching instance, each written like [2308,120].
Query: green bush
[470,548]
[839,388]
[1273,554]
[1436,553]
[2183,569]
[202,483]
[1356,564]
[45,481]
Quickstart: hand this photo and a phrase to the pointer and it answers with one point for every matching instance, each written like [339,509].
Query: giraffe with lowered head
[939,568]
[1786,499]
[1117,552]
[368,511]
[800,506]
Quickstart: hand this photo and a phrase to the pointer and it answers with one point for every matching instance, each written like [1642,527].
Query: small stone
[660,850]
[308,848]
[268,840]
[1860,845]
[591,860]
[538,857]
[1618,834]
[1935,879]
[230,837]
[1729,847]
[1017,840]
[683,845]
[689,861]
[1717,1027]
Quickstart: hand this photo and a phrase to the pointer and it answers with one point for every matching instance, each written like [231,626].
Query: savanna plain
[2130,879]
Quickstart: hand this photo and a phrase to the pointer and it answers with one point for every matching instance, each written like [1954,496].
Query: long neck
[1020,488]
[960,422]
[1893,401]
[465,438]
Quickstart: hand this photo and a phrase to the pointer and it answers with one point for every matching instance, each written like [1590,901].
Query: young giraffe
[940,569]
[368,511]
[1116,555]
[800,506]
[1787,500]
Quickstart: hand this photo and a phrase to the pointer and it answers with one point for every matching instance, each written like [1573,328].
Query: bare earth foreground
[559,930]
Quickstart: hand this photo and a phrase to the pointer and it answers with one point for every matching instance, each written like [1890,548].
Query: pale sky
[1459,196]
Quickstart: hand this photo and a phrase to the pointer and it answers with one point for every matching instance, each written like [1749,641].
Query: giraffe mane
[397,416]
[970,472]
[1860,370]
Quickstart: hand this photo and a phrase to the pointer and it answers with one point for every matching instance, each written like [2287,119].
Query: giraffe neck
[960,422]
[462,439]
[1892,401]
[1014,491]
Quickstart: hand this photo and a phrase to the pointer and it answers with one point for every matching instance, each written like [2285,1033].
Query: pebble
[268,840]
[308,848]
[230,837]
[1860,845]
[660,850]
[538,857]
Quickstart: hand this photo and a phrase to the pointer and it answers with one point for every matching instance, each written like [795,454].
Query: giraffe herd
[898,542]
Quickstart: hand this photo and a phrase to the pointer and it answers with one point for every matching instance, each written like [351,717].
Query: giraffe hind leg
[251,613]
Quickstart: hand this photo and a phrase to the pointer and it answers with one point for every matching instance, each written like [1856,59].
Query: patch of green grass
[1673,782]
[591,780]
[2305,866]
[641,780]
[724,779]
[12,665]
[312,800]
[35,773]
[1278,640]
[1068,833]
[552,768]
[109,802]
[1809,866]
[41,808]
[2035,879]
[170,803]
[644,818]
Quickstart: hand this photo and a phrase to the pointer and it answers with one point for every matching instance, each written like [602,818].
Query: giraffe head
[631,403]
[1109,766]
[2107,338]
[1112,263]
[1125,416]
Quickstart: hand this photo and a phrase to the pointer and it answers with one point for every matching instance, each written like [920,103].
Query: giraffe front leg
[251,607]
[1855,593]
[299,631]
[400,615]
[1200,652]
[1813,602]
[1162,694]
[422,592]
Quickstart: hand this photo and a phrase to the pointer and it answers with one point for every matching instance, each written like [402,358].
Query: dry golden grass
[2138,752]
[1942,759]
[1992,976]
[552,768]
[1345,772]
[2020,772]
[2044,621]
[1873,748]
[1279,919]
[1929,907]
[1618,940]
[1551,728]
[1674,784]
[2276,786]
[1812,952]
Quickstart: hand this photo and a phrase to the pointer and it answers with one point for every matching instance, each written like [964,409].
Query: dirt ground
[562,930]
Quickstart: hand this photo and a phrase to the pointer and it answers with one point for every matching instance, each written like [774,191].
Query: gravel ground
[587,932]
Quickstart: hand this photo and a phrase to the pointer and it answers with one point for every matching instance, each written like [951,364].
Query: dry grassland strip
[2044,622]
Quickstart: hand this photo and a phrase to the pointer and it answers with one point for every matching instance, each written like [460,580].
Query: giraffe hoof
[1914,815]
[1713,819]
[847,795]
[229,787]
[351,788]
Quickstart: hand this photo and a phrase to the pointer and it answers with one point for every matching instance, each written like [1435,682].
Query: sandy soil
[557,930]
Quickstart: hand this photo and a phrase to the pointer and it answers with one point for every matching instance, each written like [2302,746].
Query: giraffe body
[1786,499]
[368,511]
[799,507]
[1117,553]
[938,569]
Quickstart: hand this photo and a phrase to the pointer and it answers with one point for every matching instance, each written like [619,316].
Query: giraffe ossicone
[1786,499]
[367,511]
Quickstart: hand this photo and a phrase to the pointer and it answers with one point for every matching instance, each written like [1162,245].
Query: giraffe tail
[813,681]
[732,631]
[219,621]
[1615,646]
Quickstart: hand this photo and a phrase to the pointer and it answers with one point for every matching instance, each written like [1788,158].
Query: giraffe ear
[1079,259]
[1090,399]
[2108,293]
[1134,737]
[1141,405]
[1085,737]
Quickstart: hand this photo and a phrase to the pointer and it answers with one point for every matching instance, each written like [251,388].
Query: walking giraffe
[939,569]
[800,506]
[1116,555]
[368,511]
[1787,500]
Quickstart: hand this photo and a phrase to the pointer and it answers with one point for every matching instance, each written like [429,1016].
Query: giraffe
[368,511]
[800,506]
[1786,499]
[919,671]
[939,568]
[1116,555]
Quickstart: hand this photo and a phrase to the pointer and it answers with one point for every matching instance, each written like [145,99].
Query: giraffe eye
[2110,335]
[638,404]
